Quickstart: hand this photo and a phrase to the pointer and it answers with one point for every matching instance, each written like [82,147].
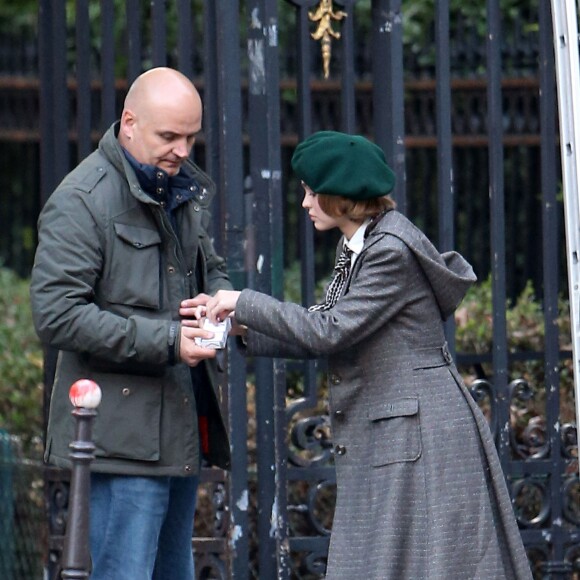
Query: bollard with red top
[85,395]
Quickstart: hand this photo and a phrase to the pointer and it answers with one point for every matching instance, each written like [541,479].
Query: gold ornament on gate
[324,15]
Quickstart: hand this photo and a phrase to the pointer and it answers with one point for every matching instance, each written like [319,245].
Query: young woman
[420,491]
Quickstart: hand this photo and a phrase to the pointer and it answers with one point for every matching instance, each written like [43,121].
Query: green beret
[339,164]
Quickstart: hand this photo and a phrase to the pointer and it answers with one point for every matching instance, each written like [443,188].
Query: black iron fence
[20,137]
[20,123]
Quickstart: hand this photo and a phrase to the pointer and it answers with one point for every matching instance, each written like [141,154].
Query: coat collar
[112,150]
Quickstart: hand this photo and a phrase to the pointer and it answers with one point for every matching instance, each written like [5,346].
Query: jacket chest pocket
[133,274]
[395,431]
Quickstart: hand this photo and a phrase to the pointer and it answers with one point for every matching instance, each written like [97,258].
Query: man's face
[162,136]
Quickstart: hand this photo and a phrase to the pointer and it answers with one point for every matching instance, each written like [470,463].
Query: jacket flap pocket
[138,237]
[398,408]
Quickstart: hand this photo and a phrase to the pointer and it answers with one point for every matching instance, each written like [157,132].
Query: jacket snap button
[187,468]
[185,400]
[339,415]
[171,269]
[340,450]
[196,207]
[126,392]
[446,355]
[334,379]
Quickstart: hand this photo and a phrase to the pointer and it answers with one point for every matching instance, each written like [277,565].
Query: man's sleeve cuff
[173,341]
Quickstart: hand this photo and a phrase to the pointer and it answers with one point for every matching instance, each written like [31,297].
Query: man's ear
[128,120]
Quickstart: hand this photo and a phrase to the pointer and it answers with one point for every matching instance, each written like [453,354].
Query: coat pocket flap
[399,408]
[136,236]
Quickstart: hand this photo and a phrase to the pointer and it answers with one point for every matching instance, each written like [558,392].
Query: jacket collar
[173,190]
[112,150]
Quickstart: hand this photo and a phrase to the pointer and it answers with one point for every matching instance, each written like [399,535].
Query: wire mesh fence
[23,529]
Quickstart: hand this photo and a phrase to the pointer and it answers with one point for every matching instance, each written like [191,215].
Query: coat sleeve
[66,271]
[259,344]
[385,277]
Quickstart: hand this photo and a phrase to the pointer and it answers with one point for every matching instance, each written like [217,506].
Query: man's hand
[190,352]
[194,308]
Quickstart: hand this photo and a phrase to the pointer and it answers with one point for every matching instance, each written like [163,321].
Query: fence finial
[324,15]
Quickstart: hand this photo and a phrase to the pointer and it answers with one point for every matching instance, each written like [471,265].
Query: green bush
[525,329]
[21,358]
[524,320]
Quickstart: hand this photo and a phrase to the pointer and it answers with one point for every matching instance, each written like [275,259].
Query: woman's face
[322,222]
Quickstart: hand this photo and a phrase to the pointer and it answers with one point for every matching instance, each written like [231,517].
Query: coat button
[339,415]
[334,379]
[196,207]
[126,392]
[187,468]
[340,450]
[171,270]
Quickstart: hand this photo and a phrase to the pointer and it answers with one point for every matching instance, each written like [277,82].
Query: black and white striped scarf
[339,277]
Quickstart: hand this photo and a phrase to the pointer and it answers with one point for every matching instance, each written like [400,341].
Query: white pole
[565,22]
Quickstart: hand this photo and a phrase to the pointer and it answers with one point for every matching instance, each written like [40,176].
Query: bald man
[122,241]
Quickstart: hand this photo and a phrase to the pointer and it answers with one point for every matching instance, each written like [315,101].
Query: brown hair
[355,210]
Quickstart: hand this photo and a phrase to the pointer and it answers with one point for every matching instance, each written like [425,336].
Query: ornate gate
[467,121]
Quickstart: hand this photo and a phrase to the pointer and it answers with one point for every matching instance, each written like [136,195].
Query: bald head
[161,116]
[159,87]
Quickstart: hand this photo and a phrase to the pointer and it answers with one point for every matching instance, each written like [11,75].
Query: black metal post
[232,208]
[388,90]
[498,237]
[76,559]
[265,161]
[445,192]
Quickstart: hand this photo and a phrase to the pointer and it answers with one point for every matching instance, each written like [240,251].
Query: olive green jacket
[107,281]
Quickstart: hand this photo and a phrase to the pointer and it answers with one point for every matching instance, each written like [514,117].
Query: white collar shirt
[357,241]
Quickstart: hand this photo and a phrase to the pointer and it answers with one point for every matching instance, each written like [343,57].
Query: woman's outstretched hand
[220,306]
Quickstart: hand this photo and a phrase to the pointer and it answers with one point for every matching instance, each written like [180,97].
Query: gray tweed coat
[420,491]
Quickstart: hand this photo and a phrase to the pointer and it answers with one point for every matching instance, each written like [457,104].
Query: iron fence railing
[467,119]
